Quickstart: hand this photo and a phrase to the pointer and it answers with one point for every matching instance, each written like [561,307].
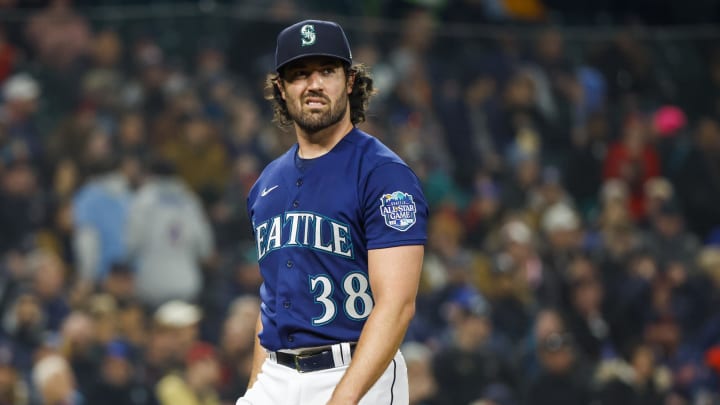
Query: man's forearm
[379,341]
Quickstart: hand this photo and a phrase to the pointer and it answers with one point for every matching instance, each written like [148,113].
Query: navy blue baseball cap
[311,38]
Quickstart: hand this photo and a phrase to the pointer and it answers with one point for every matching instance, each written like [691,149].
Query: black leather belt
[312,360]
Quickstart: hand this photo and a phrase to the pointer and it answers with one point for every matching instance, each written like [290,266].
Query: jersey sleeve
[395,210]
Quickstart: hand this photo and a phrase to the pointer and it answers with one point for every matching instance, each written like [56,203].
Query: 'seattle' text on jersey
[304,230]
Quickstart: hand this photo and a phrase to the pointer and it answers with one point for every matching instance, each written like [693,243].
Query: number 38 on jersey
[357,300]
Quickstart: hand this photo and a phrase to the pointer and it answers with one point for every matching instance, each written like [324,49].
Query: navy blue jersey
[314,222]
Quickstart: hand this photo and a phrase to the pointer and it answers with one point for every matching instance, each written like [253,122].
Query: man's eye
[328,71]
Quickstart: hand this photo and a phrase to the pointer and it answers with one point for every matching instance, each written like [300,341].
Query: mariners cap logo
[300,40]
[398,209]
[307,33]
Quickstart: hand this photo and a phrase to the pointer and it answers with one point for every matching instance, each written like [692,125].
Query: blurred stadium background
[570,152]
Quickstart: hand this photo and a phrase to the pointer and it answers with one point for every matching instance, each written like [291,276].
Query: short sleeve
[395,210]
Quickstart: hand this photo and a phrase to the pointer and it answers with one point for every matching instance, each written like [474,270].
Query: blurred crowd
[574,184]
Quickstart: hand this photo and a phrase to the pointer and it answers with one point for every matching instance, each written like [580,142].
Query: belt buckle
[299,357]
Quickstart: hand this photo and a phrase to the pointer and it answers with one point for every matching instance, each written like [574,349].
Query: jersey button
[295,203]
[290,338]
[299,182]
[286,304]
[289,264]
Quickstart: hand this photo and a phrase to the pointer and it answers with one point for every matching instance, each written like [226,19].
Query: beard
[312,122]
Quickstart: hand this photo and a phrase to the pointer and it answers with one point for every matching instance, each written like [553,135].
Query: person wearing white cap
[20,87]
[20,94]
[175,328]
[563,238]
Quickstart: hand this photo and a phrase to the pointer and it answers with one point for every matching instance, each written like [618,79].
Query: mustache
[315,94]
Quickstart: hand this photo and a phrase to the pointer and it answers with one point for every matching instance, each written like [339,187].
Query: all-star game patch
[398,209]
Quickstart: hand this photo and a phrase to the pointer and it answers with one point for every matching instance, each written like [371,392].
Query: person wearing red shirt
[634,160]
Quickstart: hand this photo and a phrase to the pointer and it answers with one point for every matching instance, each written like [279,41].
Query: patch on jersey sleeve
[398,209]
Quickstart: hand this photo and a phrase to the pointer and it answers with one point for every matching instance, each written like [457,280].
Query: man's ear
[278,83]
[350,81]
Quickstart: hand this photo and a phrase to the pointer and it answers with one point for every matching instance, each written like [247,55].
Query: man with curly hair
[340,226]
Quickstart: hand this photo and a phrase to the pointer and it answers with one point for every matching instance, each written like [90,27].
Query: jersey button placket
[299,182]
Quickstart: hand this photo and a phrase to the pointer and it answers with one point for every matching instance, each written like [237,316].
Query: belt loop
[272,356]
[346,354]
[337,355]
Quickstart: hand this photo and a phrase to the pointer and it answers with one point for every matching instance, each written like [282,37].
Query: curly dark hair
[362,90]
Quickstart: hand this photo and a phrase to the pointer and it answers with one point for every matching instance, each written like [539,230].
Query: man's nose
[315,80]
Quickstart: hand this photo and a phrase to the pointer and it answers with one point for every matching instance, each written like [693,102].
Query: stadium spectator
[474,356]
[229,213]
[99,211]
[564,233]
[9,55]
[103,309]
[22,138]
[658,191]
[510,280]
[199,157]
[583,168]
[668,241]
[120,284]
[236,347]
[173,329]
[13,388]
[180,322]
[639,380]
[59,35]
[484,212]
[133,325]
[24,326]
[523,173]
[196,385]
[132,135]
[21,206]
[423,386]
[587,319]
[557,90]
[53,378]
[49,285]
[117,383]
[698,180]
[634,160]
[563,378]
[80,347]
[169,236]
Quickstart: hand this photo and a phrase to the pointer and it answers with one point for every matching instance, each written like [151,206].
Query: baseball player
[340,226]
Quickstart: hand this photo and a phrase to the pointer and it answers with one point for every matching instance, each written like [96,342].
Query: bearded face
[316,93]
[317,111]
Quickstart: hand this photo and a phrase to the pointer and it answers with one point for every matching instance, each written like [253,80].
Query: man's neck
[316,144]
